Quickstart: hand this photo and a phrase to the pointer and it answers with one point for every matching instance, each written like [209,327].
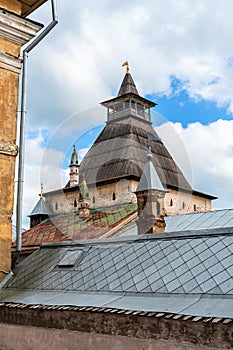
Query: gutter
[6,279]
[26,51]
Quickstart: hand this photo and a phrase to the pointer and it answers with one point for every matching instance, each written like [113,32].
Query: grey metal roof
[198,221]
[149,179]
[185,273]
[193,221]
[40,208]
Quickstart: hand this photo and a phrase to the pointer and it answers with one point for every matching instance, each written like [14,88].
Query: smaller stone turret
[150,197]
[74,168]
[84,200]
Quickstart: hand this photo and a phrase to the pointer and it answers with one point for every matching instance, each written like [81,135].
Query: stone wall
[183,202]
[122,191]
[27,328]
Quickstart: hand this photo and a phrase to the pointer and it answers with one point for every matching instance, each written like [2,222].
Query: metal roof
[187,273]
[197,221]
[149,179]
[102,222]
[193,221]
[40,208]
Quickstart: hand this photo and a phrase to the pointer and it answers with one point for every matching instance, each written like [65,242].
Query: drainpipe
[26,51]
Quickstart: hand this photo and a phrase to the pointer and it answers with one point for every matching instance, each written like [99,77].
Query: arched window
[171,202]
[56,206]
[113,196]
[75,203]
[194,207]
[93,199]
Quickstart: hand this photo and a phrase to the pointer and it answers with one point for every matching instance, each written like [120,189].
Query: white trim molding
[16,29]
[8,148]
[10,63]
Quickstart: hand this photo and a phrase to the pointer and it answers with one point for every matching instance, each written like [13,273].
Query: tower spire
[74,168]
[84,200]
[127,85]
[150,197]
[41,190]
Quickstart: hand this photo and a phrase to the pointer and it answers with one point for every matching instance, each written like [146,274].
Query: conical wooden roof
[127,86]
[121,151]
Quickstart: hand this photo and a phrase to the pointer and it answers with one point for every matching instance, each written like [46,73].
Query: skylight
[71,258]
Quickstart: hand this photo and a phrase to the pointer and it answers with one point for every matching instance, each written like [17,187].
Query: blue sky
[178,58]
[180,107]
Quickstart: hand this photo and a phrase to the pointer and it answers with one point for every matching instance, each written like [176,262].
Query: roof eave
[126,96]
[30,6]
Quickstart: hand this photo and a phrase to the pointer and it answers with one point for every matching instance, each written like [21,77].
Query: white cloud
[82,152]
[43,165]
[210,152]
[79,64]
[80,61]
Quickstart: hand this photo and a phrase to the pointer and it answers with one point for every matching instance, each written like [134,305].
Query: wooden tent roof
[121,151]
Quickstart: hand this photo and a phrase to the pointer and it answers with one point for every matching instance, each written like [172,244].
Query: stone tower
[84,199]
[74,168]
[150,197]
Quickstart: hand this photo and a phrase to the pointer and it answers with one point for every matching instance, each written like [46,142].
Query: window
[75,203]
[56,206]
[158,208]
[113,196]
[183,205]
[71,258]
[93,199]
[171,202]
[194,207]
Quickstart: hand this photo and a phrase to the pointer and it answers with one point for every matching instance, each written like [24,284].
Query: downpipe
[20,182]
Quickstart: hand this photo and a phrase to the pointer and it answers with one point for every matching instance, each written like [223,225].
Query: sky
[181,57]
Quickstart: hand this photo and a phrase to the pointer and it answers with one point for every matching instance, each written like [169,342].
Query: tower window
[113,196]
[171,202]
[158,208]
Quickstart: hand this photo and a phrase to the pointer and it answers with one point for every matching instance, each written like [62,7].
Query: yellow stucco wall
[11,5]
[8,110]
[16,33]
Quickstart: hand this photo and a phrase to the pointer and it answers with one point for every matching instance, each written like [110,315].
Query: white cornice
[10,63]
[8,148]
[16,29]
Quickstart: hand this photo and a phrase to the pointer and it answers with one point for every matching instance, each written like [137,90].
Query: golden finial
[41,190]
[127,66]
